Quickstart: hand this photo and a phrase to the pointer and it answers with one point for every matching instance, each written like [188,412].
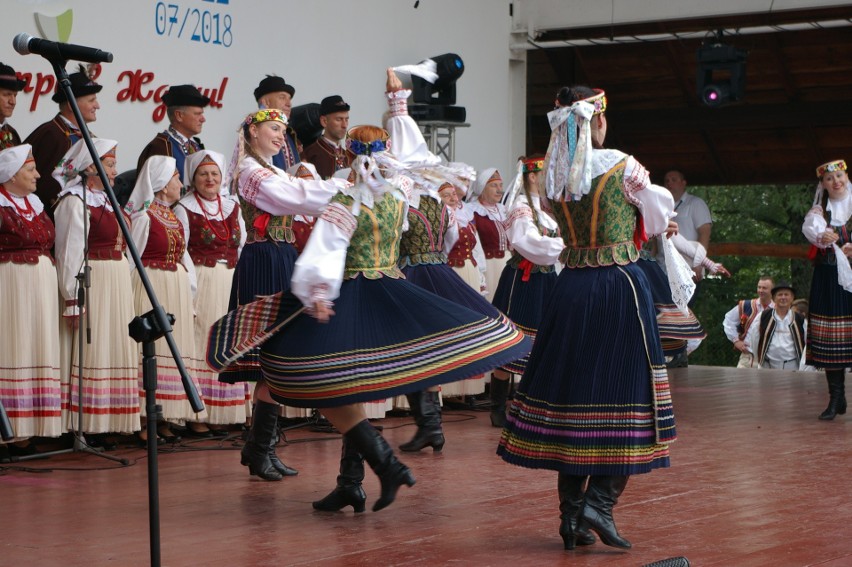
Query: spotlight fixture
[721,73]
[433,88]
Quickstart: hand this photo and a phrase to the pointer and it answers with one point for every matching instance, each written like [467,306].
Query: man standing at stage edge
[739,319]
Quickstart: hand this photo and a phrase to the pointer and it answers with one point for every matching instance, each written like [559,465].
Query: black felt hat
[783,285]
[9,79]
[81,85]
[273,84]
[332,104]
[184,95]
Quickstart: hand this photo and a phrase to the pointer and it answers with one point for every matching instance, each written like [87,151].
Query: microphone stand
[145,329]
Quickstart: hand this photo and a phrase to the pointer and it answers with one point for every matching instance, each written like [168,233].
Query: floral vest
[423,242]
[374,247]
[212,239]
[598,229]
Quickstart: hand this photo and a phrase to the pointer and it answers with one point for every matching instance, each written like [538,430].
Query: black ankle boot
[379,455]
[426,408]
[837,394]
[573,532]
[601,496]
[273,457]
[255,453]
[349,491]
[499,392]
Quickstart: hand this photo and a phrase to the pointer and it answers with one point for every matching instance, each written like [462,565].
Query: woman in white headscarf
[29,373]
[159,237]
[489,217]
[110,365]
[214,231]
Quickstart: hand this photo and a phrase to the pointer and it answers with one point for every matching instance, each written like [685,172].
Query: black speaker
[305,120]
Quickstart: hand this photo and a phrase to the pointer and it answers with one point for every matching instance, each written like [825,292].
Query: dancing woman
[594,401]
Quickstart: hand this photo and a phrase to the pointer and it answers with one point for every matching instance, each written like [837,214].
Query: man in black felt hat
[185,111]
[52,139]
[274,92]
[10,86]
[327,152]
[778,339]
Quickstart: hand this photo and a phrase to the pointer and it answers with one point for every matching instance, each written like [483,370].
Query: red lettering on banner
[137,87]
[135,81]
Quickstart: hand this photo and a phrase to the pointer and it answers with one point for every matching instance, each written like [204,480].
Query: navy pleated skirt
[388,337]
[523,302]
[264,268]
[829,340]
[442,280]
[595,397]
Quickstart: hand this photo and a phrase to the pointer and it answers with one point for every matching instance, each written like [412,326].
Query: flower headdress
[569,156]
[830,167]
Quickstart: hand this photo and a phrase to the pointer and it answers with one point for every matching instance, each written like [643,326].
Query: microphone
[25,44]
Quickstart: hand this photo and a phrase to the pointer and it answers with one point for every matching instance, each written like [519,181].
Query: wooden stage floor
[756,480]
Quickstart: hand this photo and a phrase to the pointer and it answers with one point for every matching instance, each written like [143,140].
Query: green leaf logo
[55,28]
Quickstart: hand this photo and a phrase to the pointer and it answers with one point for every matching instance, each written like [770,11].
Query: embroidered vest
[748,310]
[23,241]
[598,229]
[262,226]
[374,247]
[165,246]
[212,239]
[463,249]
[423,243]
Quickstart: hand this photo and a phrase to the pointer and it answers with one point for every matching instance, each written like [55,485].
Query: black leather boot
[349,491]
[273,457]
[379,455]
[571,490]
[836,393]
[499,392]
[255,453]
[426,408]
[601,496]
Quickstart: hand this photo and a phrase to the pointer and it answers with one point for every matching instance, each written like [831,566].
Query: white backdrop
[321,47]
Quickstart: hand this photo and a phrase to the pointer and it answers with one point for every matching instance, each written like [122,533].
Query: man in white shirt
[693,216]
[739,319]
[777,338]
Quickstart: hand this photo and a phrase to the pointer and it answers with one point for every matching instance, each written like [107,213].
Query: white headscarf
[155,174]
[479,183]
[77,159]
[12,160]
[193,161]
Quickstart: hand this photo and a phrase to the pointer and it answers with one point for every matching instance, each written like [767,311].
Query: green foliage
[763,214]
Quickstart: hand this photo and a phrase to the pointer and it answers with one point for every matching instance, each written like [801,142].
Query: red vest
[212,239]
[22,241]
[165,246]
[491,236]
[105,239]
[463,249]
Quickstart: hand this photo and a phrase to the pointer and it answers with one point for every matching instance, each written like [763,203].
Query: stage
[756,480]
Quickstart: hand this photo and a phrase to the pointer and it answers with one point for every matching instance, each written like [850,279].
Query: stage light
[433,88]
[721,74]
